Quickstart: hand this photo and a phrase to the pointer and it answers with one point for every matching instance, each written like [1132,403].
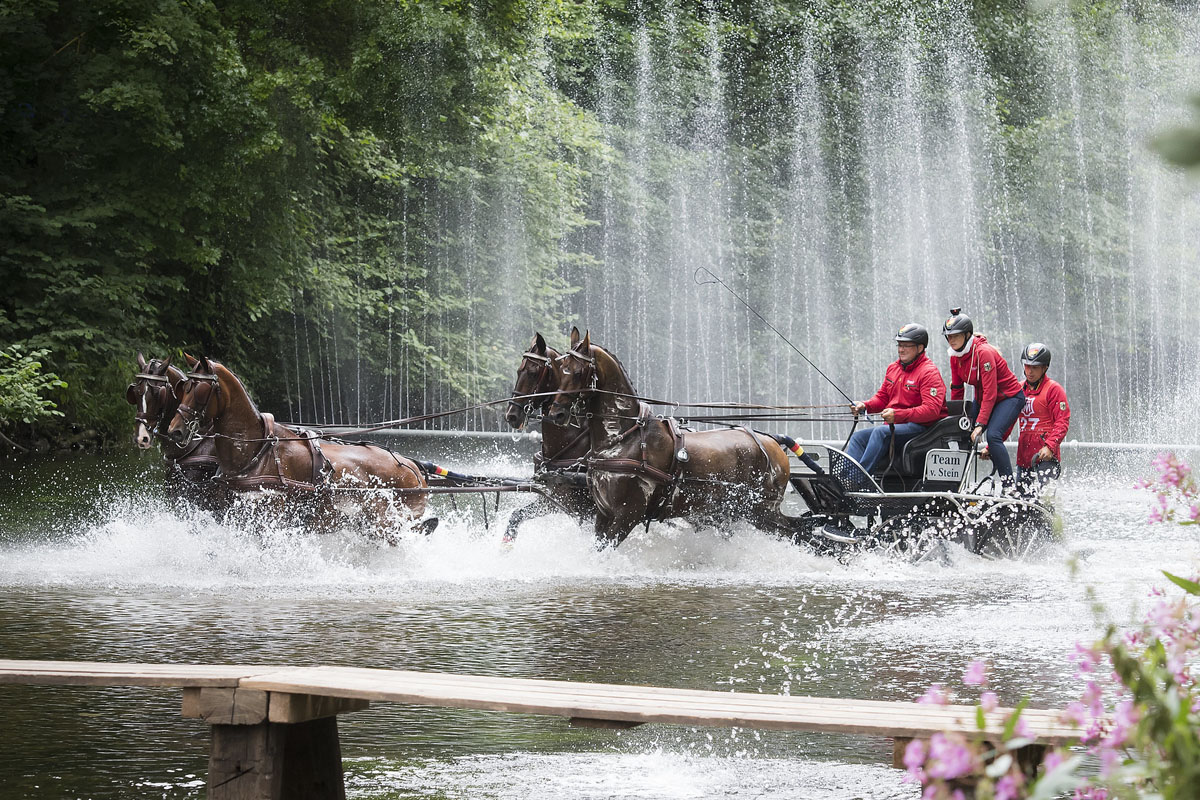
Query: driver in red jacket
[912,397]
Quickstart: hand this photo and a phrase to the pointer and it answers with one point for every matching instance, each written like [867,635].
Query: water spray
[712,278]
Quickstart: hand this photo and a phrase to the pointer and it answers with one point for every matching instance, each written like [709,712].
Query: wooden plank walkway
[252,700]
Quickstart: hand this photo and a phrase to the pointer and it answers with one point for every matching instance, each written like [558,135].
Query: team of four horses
[605,454]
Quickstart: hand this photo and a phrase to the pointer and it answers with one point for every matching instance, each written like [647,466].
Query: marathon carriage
[935,489]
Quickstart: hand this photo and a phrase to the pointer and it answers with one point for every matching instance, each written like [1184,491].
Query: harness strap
[641,466]
[630,465]
[541,460]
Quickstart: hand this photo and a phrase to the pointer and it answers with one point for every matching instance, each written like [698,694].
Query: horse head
[537,380]
[152,394]
[200,401]
[576,379]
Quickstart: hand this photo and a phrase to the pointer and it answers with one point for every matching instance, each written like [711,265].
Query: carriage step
[837,535]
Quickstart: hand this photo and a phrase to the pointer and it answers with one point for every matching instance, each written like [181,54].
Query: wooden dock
[274,728]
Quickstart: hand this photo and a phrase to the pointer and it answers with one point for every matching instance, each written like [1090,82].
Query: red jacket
[1044,421]
[916,391]
[986,370]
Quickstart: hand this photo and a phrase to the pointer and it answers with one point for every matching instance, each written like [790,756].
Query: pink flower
[1109,760]
[1075,713]
[1022,729]
[989,701]
[1086,658]
[1053,760]
[949,757]
[1123,721]
[1091,697]
[976,674]
[914,756]
[1006,787]
[935,695]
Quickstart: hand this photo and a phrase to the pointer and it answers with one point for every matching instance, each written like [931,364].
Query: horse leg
[615,527]
[611,530]
[539,507]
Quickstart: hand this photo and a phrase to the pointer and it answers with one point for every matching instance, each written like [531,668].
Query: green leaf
[1191,587]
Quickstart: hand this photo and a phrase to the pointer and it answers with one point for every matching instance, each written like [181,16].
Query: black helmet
[1036,354]
[958,323]
[912,332]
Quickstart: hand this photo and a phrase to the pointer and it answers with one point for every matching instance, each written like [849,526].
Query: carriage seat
[911,461]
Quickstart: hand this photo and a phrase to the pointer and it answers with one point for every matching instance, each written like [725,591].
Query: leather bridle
[588,376]
[538,384]
[141,387]
[205,389]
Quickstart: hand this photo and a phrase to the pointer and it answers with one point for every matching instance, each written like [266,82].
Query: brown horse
[561,464]
[644,467]
[189,469]
[256,454]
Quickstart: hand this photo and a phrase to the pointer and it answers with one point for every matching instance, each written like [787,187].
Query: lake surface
[94,566]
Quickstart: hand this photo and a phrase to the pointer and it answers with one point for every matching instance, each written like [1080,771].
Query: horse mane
[249,399]
[620,366]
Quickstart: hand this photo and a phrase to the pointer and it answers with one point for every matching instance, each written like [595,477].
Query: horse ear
[587,343]
[204,366]
[574,336]
[539,344]
[167,363]
[141,361]
[191,362]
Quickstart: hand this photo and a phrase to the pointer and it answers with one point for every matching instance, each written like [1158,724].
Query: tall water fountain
[845,169]
[890,186]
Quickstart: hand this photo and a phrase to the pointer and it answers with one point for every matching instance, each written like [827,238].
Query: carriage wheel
[1012,533]
[903,538]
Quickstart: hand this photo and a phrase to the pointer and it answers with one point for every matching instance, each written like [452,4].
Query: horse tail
[430,468]
[788,443]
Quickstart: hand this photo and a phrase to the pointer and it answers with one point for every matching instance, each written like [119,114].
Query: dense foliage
[23,388]
[367,207]
[247,180]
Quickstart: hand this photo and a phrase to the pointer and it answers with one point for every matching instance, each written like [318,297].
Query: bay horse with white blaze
[189,468]
[644,467]
[258,455]
[561,464]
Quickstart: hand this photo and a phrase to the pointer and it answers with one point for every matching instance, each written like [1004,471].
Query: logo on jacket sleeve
[933,391]
[987,366]
[1062,406]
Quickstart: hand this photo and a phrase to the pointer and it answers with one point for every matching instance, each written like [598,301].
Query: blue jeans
[1004,414]
[869,445]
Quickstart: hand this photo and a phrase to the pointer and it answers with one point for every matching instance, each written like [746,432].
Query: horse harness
[542,373]
[267,473]
[669,478]
[185,458]
[545,463]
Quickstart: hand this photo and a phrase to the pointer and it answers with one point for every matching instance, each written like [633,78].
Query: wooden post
[276,761]
[271,745]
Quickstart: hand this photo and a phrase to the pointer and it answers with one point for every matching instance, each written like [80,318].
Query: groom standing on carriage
[911,398]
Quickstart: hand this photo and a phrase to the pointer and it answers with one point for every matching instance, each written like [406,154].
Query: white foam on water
[614,776]
[133,543]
